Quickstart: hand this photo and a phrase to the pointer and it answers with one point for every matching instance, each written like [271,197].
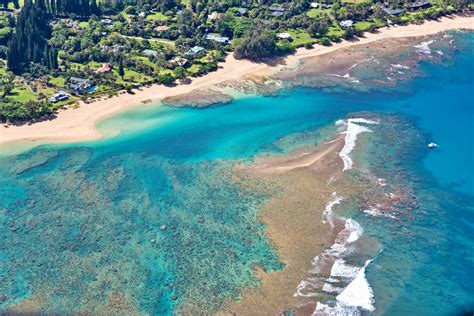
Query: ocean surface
[150,220]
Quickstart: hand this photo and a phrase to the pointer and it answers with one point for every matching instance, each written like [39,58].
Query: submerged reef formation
[370,66]
[124,233]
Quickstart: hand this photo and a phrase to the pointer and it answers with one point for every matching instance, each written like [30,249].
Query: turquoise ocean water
[151,218]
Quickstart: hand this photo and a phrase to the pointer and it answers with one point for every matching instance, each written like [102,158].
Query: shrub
[325,41]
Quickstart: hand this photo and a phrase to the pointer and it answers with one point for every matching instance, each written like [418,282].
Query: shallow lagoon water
[82,225]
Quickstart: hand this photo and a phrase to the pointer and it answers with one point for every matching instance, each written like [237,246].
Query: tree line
[29,43]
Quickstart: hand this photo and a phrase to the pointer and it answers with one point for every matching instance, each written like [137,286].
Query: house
[142,15]
[396,11]
[73,26]
[195,51]
[242,11]
[347,23]
[150,53]
[276,8]
[178,61]
[284,36]
[162,28]
[213,16]
[111,49]
[105,68]
[106,21]
[277,14]
[420,4]
[79,85]
[59,96]
[313,5]
[217,39]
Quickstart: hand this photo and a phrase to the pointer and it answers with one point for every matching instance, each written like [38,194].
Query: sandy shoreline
[79,124]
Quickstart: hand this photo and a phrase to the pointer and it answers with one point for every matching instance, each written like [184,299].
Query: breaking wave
[352,130]
[333,275]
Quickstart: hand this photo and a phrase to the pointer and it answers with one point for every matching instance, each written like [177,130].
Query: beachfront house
[347,23]
[217,39]
[178,61]
[195,51]
[284,36]
[59,96]
[420,4]
[394,12]
[79,85]
[314,5]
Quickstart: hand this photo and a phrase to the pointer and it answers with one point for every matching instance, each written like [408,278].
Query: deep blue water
[82,224]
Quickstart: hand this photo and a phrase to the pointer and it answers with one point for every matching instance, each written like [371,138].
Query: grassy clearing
[335,31]
[59,82]
[300,38]
[363,26]
[21,93]
[157,16]
[317,12]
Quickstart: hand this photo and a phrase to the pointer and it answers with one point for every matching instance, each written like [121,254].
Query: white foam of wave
[353,129]
[340,269]
[328,214]
[335,309]
[375,212]
[439,52]
[355,230]
[358,293]
[424,48]
[399,66]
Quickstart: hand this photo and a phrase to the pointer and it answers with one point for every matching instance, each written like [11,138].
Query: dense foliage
[256,44]
[122,44]
[29,42]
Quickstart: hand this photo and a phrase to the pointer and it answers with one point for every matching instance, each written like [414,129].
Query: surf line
[331,273]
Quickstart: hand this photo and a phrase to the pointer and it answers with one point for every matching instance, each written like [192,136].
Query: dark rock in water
[174,297]
[163,227]
[3,298]
[12,229]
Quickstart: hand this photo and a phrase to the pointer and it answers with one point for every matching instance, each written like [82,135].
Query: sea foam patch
[333,274]
[353,128]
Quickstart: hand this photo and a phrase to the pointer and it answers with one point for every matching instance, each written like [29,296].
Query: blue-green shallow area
[82,225]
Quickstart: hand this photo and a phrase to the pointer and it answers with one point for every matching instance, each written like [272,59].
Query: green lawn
[312,13]
[131,76]
[21,94]
[335,31]
[157,16]
[59,82]
[84,24]
[363,26]
[194,69]
[300,38]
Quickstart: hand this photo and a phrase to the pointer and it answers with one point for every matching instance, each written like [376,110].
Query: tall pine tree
[29,43]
